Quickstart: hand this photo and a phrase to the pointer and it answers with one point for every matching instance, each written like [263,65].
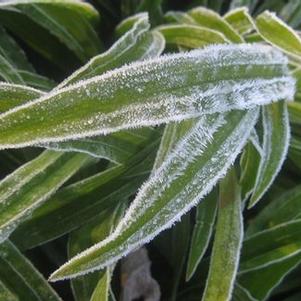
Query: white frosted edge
[176,218]
[118,43]
[213,51]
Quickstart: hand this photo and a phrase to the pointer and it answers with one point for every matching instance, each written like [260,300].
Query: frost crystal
[189,172]
[219,78]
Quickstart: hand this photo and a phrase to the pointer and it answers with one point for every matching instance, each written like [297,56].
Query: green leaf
[270,277]
[227,242]
[279,34]
[117,147]
[97,229]
[32,184]
[294,110]
[154,7]
[37,81]
[210,19]
[101,292]
[180,243]
[283,209]
[241,294]
[12,95]
[8,72]
[202,231]
[13,53]
[290,13]
[179,17]
[172,134]
[271,253]
[128,24]
[276,135]
[136,44]
[249,164]
[271,245]
[70,21]
[21,277]
[15,66]
[75,204]
[190,36]
[6,294]
[188,174]
[171,88]
[297,75]
[240,20]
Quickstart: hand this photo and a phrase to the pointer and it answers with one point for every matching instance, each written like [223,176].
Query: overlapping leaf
[30,185]
[96,284]
[73,205]
[175,87]
[190,36]
[276,32]
[276,135]
[227,242]
[212,20]
[270,253]
[186,176]
[15,67]
[70,21]
[240,20]
[21,278]
[203,228]
[136,43]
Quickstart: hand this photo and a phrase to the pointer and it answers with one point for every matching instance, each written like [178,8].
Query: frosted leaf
[254,139]
[175,87]
[276,136]
[117,147]
[110,59]
[210,19]
[276,32]
[240,20]
[12,95]
[227,243]
[22,274]
[31,184]
[189,172]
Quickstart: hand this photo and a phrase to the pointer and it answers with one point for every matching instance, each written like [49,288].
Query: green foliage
[133,123]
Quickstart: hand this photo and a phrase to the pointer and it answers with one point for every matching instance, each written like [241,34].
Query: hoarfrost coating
[173,87]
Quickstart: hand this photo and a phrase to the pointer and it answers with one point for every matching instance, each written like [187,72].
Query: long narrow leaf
[73,205]
[190,36]
[12,95]
[31,184]
[208,18]
[135,44]
[240,20]
[70,21]
[276,32]
[227,242]
[270,277]
[283,209]
[271,245]
[21,277]
[187,175]
[175,87]
[276,135]
[203,228]
[79,240]
[6,294]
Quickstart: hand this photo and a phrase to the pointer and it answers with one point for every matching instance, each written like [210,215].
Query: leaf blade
[149,101]
[122,240]
[227,242]
[275,146]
